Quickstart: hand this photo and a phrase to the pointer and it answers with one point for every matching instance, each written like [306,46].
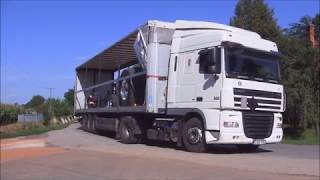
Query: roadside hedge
[9,113]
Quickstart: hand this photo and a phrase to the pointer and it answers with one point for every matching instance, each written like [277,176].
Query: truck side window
[209,61]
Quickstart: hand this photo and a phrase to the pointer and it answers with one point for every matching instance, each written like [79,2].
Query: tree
[57,108]
[68,97]
[255,15]
[36,103]
[9,113]
[302,74]
[299,29]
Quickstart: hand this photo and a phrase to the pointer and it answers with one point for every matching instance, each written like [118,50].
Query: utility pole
[50,89]
[50,105]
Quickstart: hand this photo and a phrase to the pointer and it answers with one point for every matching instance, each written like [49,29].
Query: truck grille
[257,125]
[257,100]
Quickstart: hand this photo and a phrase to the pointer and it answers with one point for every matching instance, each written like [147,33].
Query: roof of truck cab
[122,52]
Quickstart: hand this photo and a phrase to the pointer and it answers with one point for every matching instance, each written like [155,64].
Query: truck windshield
[252,64]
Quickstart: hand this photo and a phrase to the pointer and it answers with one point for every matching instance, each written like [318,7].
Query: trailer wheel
[85,122]
[247,147]
[91,123]
[94,125]
[127,130]
[193,135]
[126,95]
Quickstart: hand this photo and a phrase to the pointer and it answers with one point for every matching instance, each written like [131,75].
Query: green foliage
[255,15]
[301,69]
[25,129]
[299,29]
[9,113]
[49,108]
[307,137]
[36,103]
[56,107]
[68,97]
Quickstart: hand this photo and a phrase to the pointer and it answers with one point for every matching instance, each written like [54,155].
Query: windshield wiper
[271,80]
[258,79]
[242,77]
[238,75]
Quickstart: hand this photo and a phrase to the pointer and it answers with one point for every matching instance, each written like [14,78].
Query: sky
[43,41]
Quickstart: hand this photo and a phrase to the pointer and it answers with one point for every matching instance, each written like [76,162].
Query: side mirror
[213,57]
[211,69]
[209,59]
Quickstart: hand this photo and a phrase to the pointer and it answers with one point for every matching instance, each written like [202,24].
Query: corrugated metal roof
[120,53]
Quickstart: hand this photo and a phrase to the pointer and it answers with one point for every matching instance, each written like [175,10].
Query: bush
[9,113]
[307,137]
[25,129]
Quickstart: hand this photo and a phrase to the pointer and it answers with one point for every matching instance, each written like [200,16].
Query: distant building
[30,118]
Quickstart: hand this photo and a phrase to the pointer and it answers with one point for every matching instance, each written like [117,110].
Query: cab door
[186,78]
[208,78]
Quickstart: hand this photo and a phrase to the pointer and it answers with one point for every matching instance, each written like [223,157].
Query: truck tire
[126,94]
[91,123]
[247,147]
[94,125]
[85,122]
[193,135]
[127,130]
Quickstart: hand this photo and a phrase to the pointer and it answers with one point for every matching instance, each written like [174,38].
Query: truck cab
[232,77]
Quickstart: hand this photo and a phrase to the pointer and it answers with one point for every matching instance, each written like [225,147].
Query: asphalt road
[72,153]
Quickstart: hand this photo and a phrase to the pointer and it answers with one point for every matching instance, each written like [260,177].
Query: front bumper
[236,135]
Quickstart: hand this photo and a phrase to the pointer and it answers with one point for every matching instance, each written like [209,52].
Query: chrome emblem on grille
[252,103]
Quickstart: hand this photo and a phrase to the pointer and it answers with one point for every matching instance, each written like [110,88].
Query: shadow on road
[232,149]
[212,149]
[108,134]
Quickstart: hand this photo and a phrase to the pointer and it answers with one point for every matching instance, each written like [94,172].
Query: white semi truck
[190,82]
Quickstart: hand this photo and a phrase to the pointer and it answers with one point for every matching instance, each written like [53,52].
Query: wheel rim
[86,123]
[194,135]
[124,90]
[93,125]
[125,131]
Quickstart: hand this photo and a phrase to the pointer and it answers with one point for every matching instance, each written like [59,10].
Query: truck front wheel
[193,135]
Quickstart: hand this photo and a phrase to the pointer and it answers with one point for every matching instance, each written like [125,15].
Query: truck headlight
[279,125]
[231,124]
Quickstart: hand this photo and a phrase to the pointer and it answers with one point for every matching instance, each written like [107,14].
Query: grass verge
[308,137]
[26,129]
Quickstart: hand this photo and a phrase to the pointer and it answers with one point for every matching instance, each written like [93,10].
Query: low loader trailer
[191,82]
